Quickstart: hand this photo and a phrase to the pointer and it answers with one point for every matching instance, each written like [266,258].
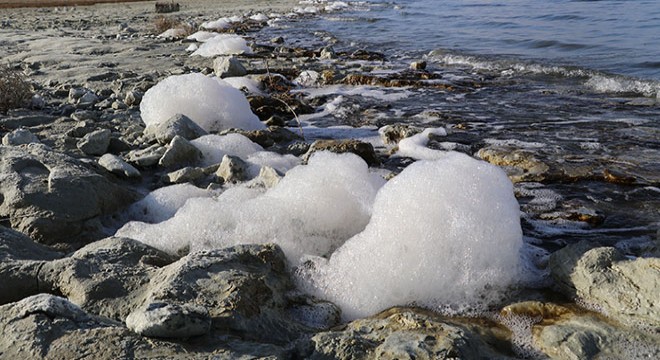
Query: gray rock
[50,327]
[133,98]
[362,149]
[228,66]
[20,262]
[146,157]
[626,290]
[267,178]
[54,198]
[108,278]
[177,125]
[95,143]
[232,169]
[401,333]
[37,102]
[88,99]
[187,174]
[85,115]
[75,94]
[180,152]
[170,320]
[19,136]
[118,166]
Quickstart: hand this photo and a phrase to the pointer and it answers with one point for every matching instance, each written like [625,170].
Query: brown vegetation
[15,89]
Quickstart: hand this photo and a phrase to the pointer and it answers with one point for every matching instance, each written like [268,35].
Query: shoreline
[6,4]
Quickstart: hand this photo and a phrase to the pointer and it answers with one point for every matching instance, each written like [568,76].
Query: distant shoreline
[9,4]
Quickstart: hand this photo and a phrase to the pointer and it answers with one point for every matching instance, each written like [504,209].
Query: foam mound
[214,147]
[162,204]
[223,44]
[211,103]
[312,210]
[443,233]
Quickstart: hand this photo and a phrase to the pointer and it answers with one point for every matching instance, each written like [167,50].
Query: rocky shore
[77,157]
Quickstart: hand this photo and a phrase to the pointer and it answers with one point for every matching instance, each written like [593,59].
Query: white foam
[220,24]
[415,146]
[259,17]
[211,103]
[243,82]
[202,36]
[214,147]
[391,94]
[173,33]
[443,232]
[312,210]
[162,204]
[223,44]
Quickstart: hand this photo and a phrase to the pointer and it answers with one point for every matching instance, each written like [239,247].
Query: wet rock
[617,177]
[146,157]
[228,66]
[180,152]
[232,169]
[568,332]
[266,107]
[418,65]
[362,149]
[95,143]
[52,197]
[270,136]
[625,289]
[519,164]
[18,137]
[118,166]
[177,125]
[392,134]
[401,333]
[169,321]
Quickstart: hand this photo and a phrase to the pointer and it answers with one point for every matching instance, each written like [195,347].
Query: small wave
[592,79]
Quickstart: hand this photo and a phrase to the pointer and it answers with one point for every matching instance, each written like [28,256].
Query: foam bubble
[415,146]
[211,103]
[442,232]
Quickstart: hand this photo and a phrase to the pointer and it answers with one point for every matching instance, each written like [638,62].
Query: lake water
[616,36]
[573,84]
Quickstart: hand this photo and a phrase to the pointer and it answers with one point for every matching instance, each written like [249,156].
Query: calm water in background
[614,36]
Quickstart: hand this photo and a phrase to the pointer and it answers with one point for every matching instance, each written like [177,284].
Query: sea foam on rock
[443,232]
[312,210]
[211,103]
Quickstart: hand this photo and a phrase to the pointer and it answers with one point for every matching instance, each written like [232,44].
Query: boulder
[402,333]
[95,143]
[232,169]
[178,124]
[228,66]
[357,147]
[21,260]
[118,166]
[44,326]
[625,289]
[180,152]
[169,321]
[19,136]
[54,198]
[568,332]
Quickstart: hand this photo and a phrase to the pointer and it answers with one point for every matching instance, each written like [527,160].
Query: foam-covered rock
[223,44]
[444,232]
[215,147]
[312,210]
[161,204]
[211,103]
